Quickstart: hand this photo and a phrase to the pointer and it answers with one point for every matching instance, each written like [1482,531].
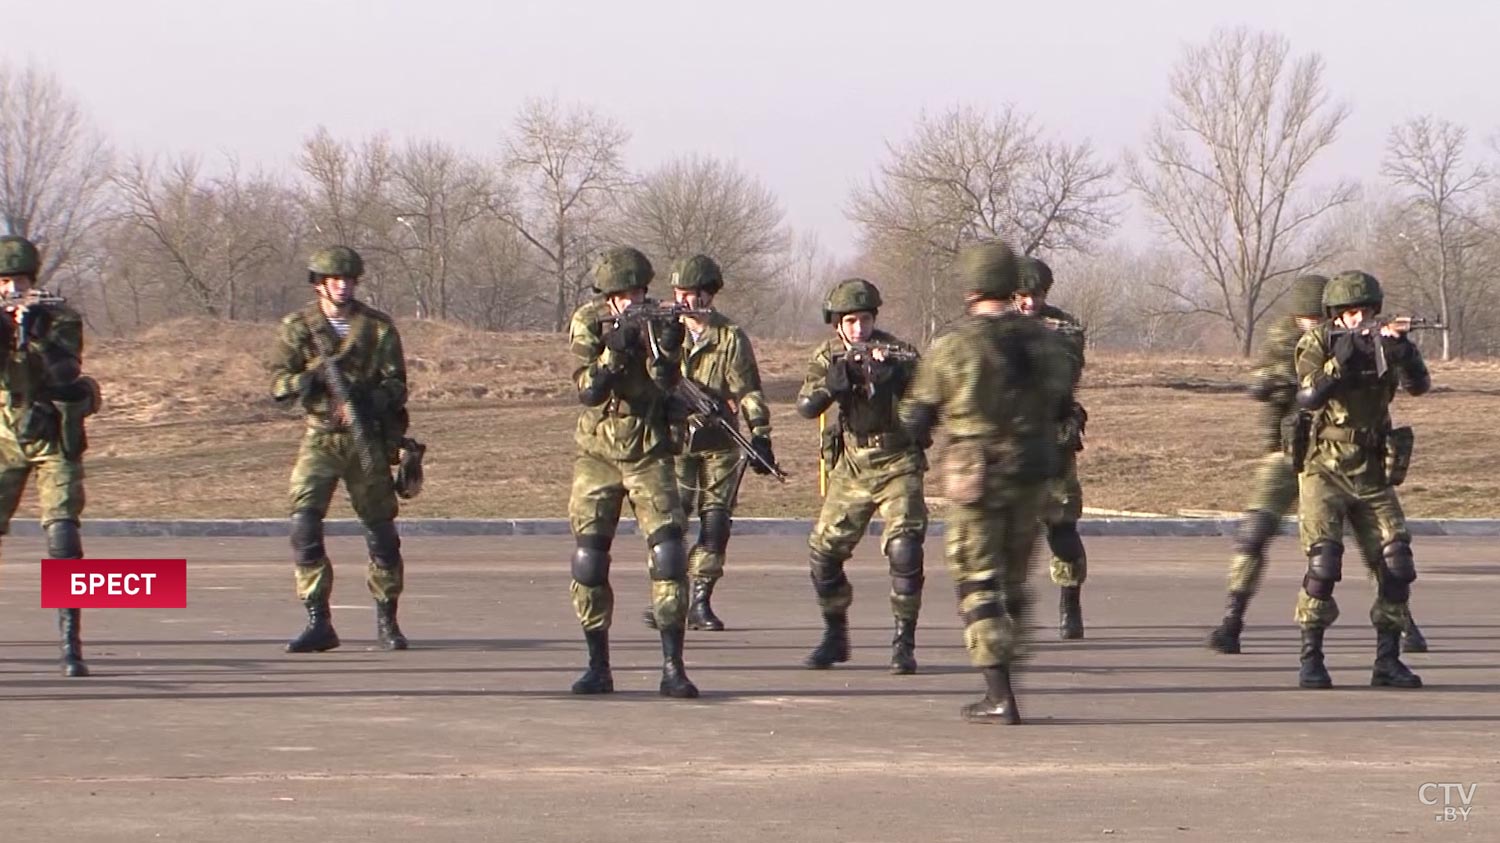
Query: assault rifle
[710,410]
[1064,328]
[1377,329]
[862,357]
[338,390]
[28,299]
[649,315]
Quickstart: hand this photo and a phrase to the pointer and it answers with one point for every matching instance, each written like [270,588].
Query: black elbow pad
[815,404]
[596,390]
[1314,396]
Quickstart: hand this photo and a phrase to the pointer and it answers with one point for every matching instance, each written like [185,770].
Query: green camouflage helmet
[1352,289]
[852,295]
[1307,295]
[990,270]
[340,261]
[18,256]
[1036,277]
[622,268]
[699,272]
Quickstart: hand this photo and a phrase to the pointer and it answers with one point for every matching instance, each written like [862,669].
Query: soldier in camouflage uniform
[1351,465]
[46,398]
[624,370]
[365,349]
[1275,386]
[1065,504]
[872,464]
[1002,384]
[719,358]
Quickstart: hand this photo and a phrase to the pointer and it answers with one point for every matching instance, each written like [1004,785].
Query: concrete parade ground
[196,726]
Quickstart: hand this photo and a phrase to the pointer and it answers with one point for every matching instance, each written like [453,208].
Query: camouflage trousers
[59,481]
[601,487]
[1373,511]
[1275,494]
[1060,513]
[708,481]
[990,548]
[324,459]
[862,482]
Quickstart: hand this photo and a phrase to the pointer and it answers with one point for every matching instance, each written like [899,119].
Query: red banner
[114,583]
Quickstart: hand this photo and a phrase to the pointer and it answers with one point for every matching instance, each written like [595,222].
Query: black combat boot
[386,631]
[1412,639]
[834,648]
[1070,613]
[1389,671]
[1226,636]
[597,679]
[319,634]
[700,611]
[999,703]
[1313,673]
[69,622]
[904,647]
[674,680]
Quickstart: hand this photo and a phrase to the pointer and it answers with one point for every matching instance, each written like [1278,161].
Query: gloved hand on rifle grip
[1349,353]
[838,379]
[624,339]
[671,336]
[762,446]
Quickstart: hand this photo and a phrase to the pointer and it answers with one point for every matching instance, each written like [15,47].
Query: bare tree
[705,205]
[1223,171]
[220,242]
[347,200]
[969,175]
[1425,159]
[567,169]
[54,169]
[438,194]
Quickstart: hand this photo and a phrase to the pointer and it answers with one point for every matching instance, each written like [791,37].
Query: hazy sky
[803,94]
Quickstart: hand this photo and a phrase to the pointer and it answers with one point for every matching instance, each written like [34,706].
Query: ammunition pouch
[1298,439]
[409,475]
[831,449]
[1398,447]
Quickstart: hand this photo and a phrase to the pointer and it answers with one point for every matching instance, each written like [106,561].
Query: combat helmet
[338,261]
[1352,289]
[622,268]
[990,269]
[1036,277]
[18,256]
[1307,295]
[699,272]
[852,295]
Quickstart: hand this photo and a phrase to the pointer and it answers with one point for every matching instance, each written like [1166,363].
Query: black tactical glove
[624,339]
[762,447]
[1352,352]
[1398,349]
[671,336]
[838,379]
[314,385]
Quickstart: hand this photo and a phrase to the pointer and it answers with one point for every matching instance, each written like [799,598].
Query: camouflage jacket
[370,358]
[1274,380]
[51,356]
[44,373]
[723,363]
[1075,340]
[864,415]
[631,420]
[1357,411]
[996,379]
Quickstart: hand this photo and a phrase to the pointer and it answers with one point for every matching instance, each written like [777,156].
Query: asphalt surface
[196,726]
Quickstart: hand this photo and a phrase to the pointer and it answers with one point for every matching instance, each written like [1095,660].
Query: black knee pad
[904,553]
[1325,561]
[713,530]
[984,611]
[63,540]
[591,561]
[669,559]
[827,574]
[1321,589]
[1397,559]
[968,587]
[1256,531]
[307,537]
[1064,542]
[384,543]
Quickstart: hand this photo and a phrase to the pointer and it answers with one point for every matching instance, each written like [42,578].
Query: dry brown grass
[192,434]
